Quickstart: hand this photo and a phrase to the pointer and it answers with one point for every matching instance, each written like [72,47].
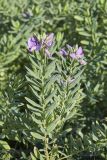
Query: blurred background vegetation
[82,22]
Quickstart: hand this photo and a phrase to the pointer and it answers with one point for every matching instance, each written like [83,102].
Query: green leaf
[33,157]
[85,42]
[71,114]
[34,84]
[50,69]
[1,123]
[37,135]
[38,112]
[33,103]
[4,145]
[85,34]
[53,125]
[51,82]
[34,63]
[36,120]
[49,98]
[95,138]
[35,92]
[41,157]
[33,74]
[79,18]
[79,73]
[51,108]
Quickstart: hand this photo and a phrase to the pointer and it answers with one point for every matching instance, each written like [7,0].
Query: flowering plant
[55,83]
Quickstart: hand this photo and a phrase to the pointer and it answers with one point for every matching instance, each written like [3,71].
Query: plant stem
[46,148]
[44,63]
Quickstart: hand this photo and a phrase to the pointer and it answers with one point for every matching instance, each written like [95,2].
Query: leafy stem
[44,63]
[46,148]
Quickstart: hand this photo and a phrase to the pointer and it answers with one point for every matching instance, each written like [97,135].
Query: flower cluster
[73,52]
[35,45]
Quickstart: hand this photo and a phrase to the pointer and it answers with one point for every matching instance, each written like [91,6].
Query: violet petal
[48,41]
[73,56]
[63,52]
[33,44]
[79,52]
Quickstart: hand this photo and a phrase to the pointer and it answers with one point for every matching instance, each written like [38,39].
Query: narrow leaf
[37,135]
[53,125]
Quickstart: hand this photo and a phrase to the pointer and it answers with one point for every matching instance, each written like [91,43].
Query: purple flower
[63,52]
[33,44]
[79,53]
[48,41]
[73,56]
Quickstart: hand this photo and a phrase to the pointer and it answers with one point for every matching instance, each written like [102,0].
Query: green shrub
[80,22]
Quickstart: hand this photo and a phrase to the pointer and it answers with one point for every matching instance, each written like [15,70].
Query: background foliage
[82,22]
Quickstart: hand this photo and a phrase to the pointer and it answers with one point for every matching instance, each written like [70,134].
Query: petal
[30,43]
[79,52]
[48,41]
[73,56]
[33,44]
[38,47]
[63,52]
